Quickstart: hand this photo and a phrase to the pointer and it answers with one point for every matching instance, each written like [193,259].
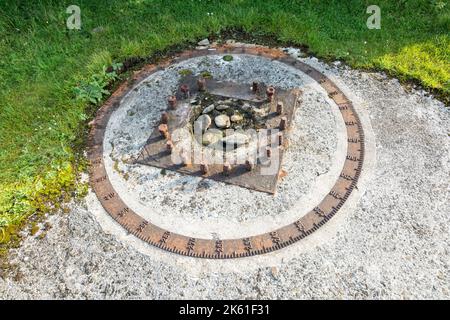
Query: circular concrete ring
[228,248]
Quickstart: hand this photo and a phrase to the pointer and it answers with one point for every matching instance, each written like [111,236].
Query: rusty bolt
[268,152]
[184,88]
[169,146]
[201,83]
[163,130]
[283,123]
[249,165]
[280,138]
[204,168]
[226,168]
[164,118]
[270,92]
[184,158]
[255,86]
[280,107]
[172,102]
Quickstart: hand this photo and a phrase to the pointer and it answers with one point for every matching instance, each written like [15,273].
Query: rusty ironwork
[164,117]
[280,107]
[255,87]
[153,151]
[201,84]
[249,165]
[204,168]
[280,138]
[270,91]
[228,248]
[172,100]
[283,123]
[169,146]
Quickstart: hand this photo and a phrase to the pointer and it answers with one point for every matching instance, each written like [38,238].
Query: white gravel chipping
[391,240]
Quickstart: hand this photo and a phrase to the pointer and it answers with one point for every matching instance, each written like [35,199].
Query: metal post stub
[229,248]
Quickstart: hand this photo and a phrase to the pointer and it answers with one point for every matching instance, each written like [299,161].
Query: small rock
[222,121]
[204,42]
[211,136]
[208,109]
[261,112]
[236,139]
[246,106]
[275,272]
[201,47]
[236,118]
[98,30]
[228,102]
[221,107]
[202,123]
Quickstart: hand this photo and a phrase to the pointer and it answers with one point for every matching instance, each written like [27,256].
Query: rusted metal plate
[229,248]
[260,178]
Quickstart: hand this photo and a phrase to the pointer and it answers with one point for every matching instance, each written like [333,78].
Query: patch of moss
[228,58]
[46,194]
[42,235]
[206,74]
[116,166]
[81,190]
[185,72]
[34,228]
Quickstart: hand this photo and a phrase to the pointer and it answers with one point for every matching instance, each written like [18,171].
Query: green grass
[43,125]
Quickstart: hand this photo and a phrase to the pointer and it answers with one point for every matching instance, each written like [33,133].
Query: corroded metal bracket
[155,152]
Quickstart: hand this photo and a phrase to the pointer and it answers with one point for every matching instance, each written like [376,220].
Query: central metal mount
[196,136]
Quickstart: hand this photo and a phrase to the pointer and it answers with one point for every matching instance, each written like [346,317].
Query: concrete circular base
[285,219]
[205,208]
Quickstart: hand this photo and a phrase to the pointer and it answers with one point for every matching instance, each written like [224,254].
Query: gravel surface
[392,240]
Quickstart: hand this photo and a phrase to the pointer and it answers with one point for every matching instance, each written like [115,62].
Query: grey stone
[246,106]
[260,112]
[236,118]
[211,136]
[222,121]
[98,30]
[275,272]
[202,123]
[222,107]
[208,109]
[204,42]
[229,102]
[236,139]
